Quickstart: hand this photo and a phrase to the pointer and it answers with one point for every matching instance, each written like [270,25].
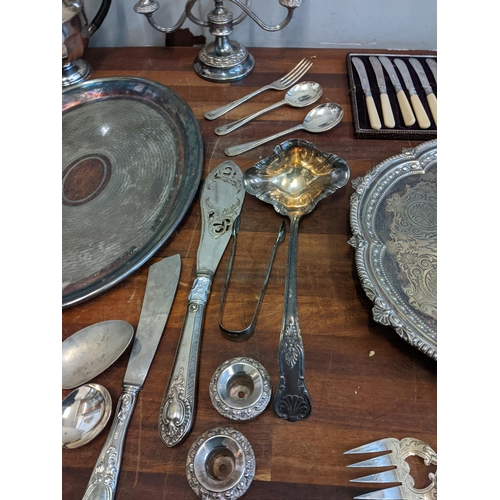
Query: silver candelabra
[223,60]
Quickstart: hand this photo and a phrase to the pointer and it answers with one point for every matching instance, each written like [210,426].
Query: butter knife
[434,69]
[422,118]
[161,286]
[431,97]
[221,201]
[404,105]
[365,85]
[387,114]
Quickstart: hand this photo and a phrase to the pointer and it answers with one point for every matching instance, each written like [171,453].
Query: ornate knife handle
[291,401]
[178,406]
[104,478]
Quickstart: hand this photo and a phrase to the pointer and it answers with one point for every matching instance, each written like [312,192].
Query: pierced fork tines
[283,83]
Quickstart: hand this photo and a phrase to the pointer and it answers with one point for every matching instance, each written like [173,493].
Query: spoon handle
[229,127]
[237,150]
[104,478]
[291,401]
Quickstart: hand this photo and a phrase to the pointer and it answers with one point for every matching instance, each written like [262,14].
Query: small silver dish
[220,464]
[240,389]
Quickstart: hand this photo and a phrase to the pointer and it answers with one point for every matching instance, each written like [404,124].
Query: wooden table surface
[357,397]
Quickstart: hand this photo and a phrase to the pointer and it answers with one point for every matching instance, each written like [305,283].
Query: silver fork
[283,83]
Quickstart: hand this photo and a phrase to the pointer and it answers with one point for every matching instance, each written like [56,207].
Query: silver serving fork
[283,83]
[399,451]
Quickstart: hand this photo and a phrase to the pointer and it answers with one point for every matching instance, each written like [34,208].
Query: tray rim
[385,312]
[130,265]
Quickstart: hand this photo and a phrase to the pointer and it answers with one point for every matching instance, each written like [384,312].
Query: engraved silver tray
[393,217]
[132,158]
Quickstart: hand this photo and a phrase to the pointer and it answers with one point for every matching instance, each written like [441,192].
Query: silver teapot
[76,31]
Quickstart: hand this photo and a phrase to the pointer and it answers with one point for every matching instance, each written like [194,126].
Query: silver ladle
[319,119]
[299,96]
[294,179]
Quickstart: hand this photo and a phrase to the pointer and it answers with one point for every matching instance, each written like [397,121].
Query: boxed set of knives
[393,96]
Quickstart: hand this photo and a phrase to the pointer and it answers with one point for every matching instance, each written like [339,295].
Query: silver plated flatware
[387,113]
[161,286]
[365,85]
[431,97]
[433,67]
[283,83]
[294,179]
[221,201]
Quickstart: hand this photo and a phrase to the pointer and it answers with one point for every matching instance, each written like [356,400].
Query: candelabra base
[223,61]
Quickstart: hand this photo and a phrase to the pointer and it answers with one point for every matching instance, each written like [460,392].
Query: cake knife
[221,201]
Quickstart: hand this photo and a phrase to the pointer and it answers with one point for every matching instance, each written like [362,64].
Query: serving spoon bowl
[85,413]
[299,96]
[293,180]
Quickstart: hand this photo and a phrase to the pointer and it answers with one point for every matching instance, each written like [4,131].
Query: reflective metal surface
[320,119]
[85,413]
[220,464]
[132,157]
[240,389]
[294,179]
[90,351]
[221,201]
[300,95]
[393,217]
[398,450]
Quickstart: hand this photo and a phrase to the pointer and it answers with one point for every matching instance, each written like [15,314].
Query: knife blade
[221,200]
[161,286]
[431,97]
[387,114]
[434,69]
[422,118]
[365,85]
[404,105]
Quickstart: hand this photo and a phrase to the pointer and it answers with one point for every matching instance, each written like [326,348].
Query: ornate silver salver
[393,217]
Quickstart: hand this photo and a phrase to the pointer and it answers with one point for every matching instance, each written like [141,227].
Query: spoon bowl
[85,413]
[299,96]
[320,119]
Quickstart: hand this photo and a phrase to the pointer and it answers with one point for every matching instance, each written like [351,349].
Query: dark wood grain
[356,398]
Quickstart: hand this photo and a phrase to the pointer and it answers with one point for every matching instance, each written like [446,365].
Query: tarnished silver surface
[90,351]
[240,388]
[220,464]
[292,77]
[398,450]
[320,119]
[222,60]
[221,200]
[294,179]
[161,286]
[85,413]
[393,217]
[132,157]
[245,333]
[300,95]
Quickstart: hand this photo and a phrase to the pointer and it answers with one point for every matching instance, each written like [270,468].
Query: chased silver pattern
[237,57]
[394,231]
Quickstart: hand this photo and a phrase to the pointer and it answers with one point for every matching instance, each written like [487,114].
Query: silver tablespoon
[299,96]
[85,413]
[319,119]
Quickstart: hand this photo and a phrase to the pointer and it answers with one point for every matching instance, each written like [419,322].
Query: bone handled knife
[221,200]
[422,118]
[434,69]
[404,105]
[365,85]
[431,97]
[387,114]
[161,286]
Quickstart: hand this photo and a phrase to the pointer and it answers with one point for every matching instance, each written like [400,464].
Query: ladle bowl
[294,179]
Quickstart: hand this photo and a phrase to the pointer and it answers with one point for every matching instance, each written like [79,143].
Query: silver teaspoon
[299,96]
[319,119]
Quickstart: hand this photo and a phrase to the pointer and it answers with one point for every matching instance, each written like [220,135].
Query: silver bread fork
[399,451]
[283,83]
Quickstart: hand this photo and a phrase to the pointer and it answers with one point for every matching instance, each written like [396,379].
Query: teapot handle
[99,17]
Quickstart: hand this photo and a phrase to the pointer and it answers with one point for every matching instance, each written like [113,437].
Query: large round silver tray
[393,216]
[132,158]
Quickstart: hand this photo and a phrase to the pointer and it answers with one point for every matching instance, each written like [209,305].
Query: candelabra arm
[289,4]
[148,7]
[192,17]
